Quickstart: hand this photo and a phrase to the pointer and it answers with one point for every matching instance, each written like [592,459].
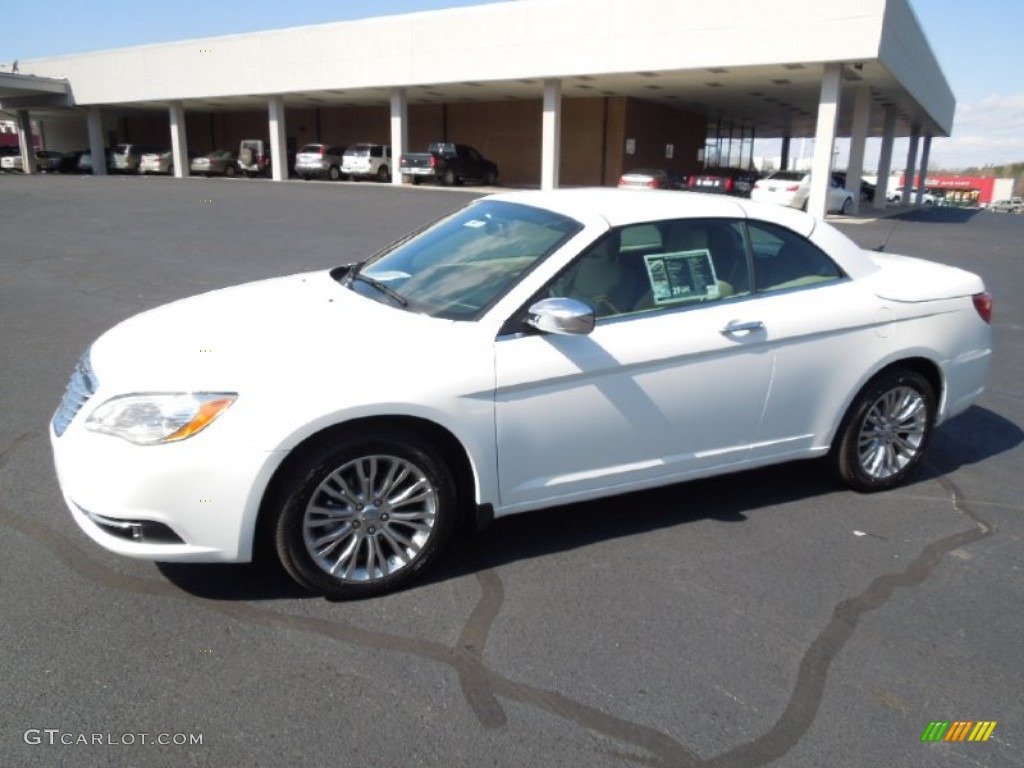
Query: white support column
[858,138]
[97,142]
[911,171]
[551,135]
[926,150]
[28,151]
[399,132]
[885,158]
[824,140]
[179,142]
[278,143]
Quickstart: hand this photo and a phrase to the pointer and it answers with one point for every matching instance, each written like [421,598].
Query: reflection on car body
[543,348]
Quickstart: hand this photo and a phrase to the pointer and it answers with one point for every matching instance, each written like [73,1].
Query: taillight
[692,181]
[323,151]
[983,303]
[653,183]
[433,161]
[729,183]
[793,188]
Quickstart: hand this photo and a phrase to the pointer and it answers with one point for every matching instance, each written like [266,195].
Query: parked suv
[367,161]
[254,157]
[319,160]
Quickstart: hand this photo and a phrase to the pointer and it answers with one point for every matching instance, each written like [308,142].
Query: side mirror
[566,317]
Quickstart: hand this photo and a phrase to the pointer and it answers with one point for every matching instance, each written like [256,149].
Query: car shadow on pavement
[974,436]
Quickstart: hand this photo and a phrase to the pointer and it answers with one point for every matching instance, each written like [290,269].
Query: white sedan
[793,188]
[531,349]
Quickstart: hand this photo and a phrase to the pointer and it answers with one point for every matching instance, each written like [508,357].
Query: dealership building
[556,92]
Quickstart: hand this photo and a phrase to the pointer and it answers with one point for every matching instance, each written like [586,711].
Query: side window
[376,152]
[783,259]
[661,265]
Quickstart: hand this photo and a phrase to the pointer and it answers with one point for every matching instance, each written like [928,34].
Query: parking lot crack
[804,703]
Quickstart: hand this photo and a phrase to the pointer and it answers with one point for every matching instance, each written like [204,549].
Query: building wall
[654,128]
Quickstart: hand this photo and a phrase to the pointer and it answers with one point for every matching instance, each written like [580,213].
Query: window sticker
[682,276]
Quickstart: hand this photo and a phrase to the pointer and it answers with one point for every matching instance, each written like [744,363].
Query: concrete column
[179,141]
[784,160]
[911,171]
[278,143]
[399,132]
[824,139]
[97,142]
[28,152]
[551,134]
[926,150]
[885,158]
[858,138]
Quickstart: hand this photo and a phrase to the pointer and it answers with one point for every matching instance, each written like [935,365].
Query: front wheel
[886,431]
[383,174]
[365,515]
[333,173]
[847,205]
[449,178]
[229,171]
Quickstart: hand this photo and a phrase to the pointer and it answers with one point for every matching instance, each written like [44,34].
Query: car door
[824,330]
[671,382]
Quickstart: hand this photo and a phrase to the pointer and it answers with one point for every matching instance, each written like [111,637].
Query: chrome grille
[80,388]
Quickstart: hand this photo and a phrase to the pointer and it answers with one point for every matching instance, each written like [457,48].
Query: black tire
[229,171]
[383,174]
[449,179]
[886,431]
[358,526]
[491,179]
[845,209]
[170,169]
[334,173]
[416,181]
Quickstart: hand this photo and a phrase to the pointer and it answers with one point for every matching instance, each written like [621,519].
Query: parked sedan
[652,178]
[47,161]
[220,162]
[725,181]
[161,161]
[793,188]
[554,347]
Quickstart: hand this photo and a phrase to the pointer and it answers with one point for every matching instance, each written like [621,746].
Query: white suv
[367,161]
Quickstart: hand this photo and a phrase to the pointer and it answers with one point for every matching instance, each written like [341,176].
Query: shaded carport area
[558,94]
[20,95]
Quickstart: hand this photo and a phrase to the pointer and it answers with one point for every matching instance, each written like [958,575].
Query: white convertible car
[531,349]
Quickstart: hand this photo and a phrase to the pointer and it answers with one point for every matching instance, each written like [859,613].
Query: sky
[975,41]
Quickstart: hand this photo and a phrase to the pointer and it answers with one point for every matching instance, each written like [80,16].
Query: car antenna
[881,247]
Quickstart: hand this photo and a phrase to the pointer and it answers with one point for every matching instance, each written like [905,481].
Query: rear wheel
[383,174]
[847,205]
[365,515]
[449,178]
[333,173]
[886,431]
[229,171]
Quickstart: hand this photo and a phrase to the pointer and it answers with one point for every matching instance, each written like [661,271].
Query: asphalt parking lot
[766,618]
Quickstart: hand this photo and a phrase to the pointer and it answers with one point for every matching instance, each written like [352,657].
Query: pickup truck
[450,164]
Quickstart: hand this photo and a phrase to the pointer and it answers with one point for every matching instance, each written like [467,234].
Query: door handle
[737,326]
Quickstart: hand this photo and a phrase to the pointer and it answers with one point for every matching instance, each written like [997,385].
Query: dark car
[725,181]
[867,189]
[652,178]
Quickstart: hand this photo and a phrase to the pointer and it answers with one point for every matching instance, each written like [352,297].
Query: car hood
[258,335]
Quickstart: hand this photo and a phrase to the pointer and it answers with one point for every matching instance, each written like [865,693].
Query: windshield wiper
[387,290]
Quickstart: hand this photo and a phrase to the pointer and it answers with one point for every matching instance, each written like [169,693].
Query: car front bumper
[192,501]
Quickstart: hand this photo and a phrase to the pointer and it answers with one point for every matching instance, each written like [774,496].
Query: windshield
[459,267]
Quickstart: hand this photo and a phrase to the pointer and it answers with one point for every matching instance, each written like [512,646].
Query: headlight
[158,418]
